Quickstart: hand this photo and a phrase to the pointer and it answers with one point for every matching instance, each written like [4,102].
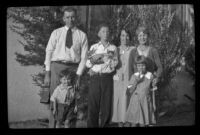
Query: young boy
[63,99]
[102,62]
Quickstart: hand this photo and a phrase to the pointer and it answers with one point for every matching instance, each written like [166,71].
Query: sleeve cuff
[78,73]
[52,99]
[47,68]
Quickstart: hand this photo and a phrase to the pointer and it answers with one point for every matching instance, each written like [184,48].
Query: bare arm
[49,51]
[55,106]
[158,63]
[84,51]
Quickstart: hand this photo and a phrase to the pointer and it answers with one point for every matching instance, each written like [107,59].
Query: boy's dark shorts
[65,112]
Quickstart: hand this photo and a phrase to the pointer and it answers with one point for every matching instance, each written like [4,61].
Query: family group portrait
[101,66]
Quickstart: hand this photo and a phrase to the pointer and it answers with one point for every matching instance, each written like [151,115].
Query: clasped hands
[132,88]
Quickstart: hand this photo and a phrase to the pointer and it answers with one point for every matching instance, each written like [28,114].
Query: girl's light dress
[140,109]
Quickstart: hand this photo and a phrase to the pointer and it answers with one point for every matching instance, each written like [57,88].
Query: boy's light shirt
[108,66]
[60,94]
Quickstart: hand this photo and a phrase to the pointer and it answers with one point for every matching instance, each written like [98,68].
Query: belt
[101,74]
[66,63]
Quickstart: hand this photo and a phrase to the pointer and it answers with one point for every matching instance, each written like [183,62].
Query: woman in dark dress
[151,54]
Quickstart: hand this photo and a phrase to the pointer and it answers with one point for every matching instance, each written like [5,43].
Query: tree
[168,35]
[38,23]
[35,24]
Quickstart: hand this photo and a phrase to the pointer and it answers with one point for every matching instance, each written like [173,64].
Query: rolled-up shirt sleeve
[49,50]
[88,63]
[84,50]
[54,95]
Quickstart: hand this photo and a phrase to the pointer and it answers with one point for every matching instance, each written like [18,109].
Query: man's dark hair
[69,9]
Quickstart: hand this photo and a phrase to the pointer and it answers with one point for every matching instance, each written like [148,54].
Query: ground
[182,115]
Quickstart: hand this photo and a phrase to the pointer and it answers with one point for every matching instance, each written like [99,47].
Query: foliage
[38,23]
[167,34]
[35,24]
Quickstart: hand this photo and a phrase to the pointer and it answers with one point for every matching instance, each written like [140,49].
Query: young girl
[140,109]
[63,99]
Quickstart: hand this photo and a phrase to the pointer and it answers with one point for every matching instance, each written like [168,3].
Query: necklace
[142,48]
[124,48]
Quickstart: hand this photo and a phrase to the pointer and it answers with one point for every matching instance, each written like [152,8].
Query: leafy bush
[168,35]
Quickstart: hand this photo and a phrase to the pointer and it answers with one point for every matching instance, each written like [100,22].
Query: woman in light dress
[121,78]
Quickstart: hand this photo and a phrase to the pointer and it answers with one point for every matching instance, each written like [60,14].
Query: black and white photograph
[101,66]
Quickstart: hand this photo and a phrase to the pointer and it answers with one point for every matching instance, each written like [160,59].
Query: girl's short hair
[140,59]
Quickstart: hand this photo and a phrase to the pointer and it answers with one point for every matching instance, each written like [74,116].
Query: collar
[73,28]
[100,43]
[126,48]
[68,87]
[147,75]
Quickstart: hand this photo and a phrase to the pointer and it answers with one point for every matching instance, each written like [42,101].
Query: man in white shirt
[66,50]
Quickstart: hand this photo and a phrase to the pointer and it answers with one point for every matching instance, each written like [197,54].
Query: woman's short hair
[127,31]
[143,29]
[140,59]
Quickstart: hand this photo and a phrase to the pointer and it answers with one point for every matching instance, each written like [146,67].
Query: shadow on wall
[23,99]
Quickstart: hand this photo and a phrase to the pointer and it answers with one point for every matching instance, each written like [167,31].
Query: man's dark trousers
[100,100]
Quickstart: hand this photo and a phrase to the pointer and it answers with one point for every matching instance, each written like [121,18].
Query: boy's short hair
[140,59]
[103,24]
[67,73]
